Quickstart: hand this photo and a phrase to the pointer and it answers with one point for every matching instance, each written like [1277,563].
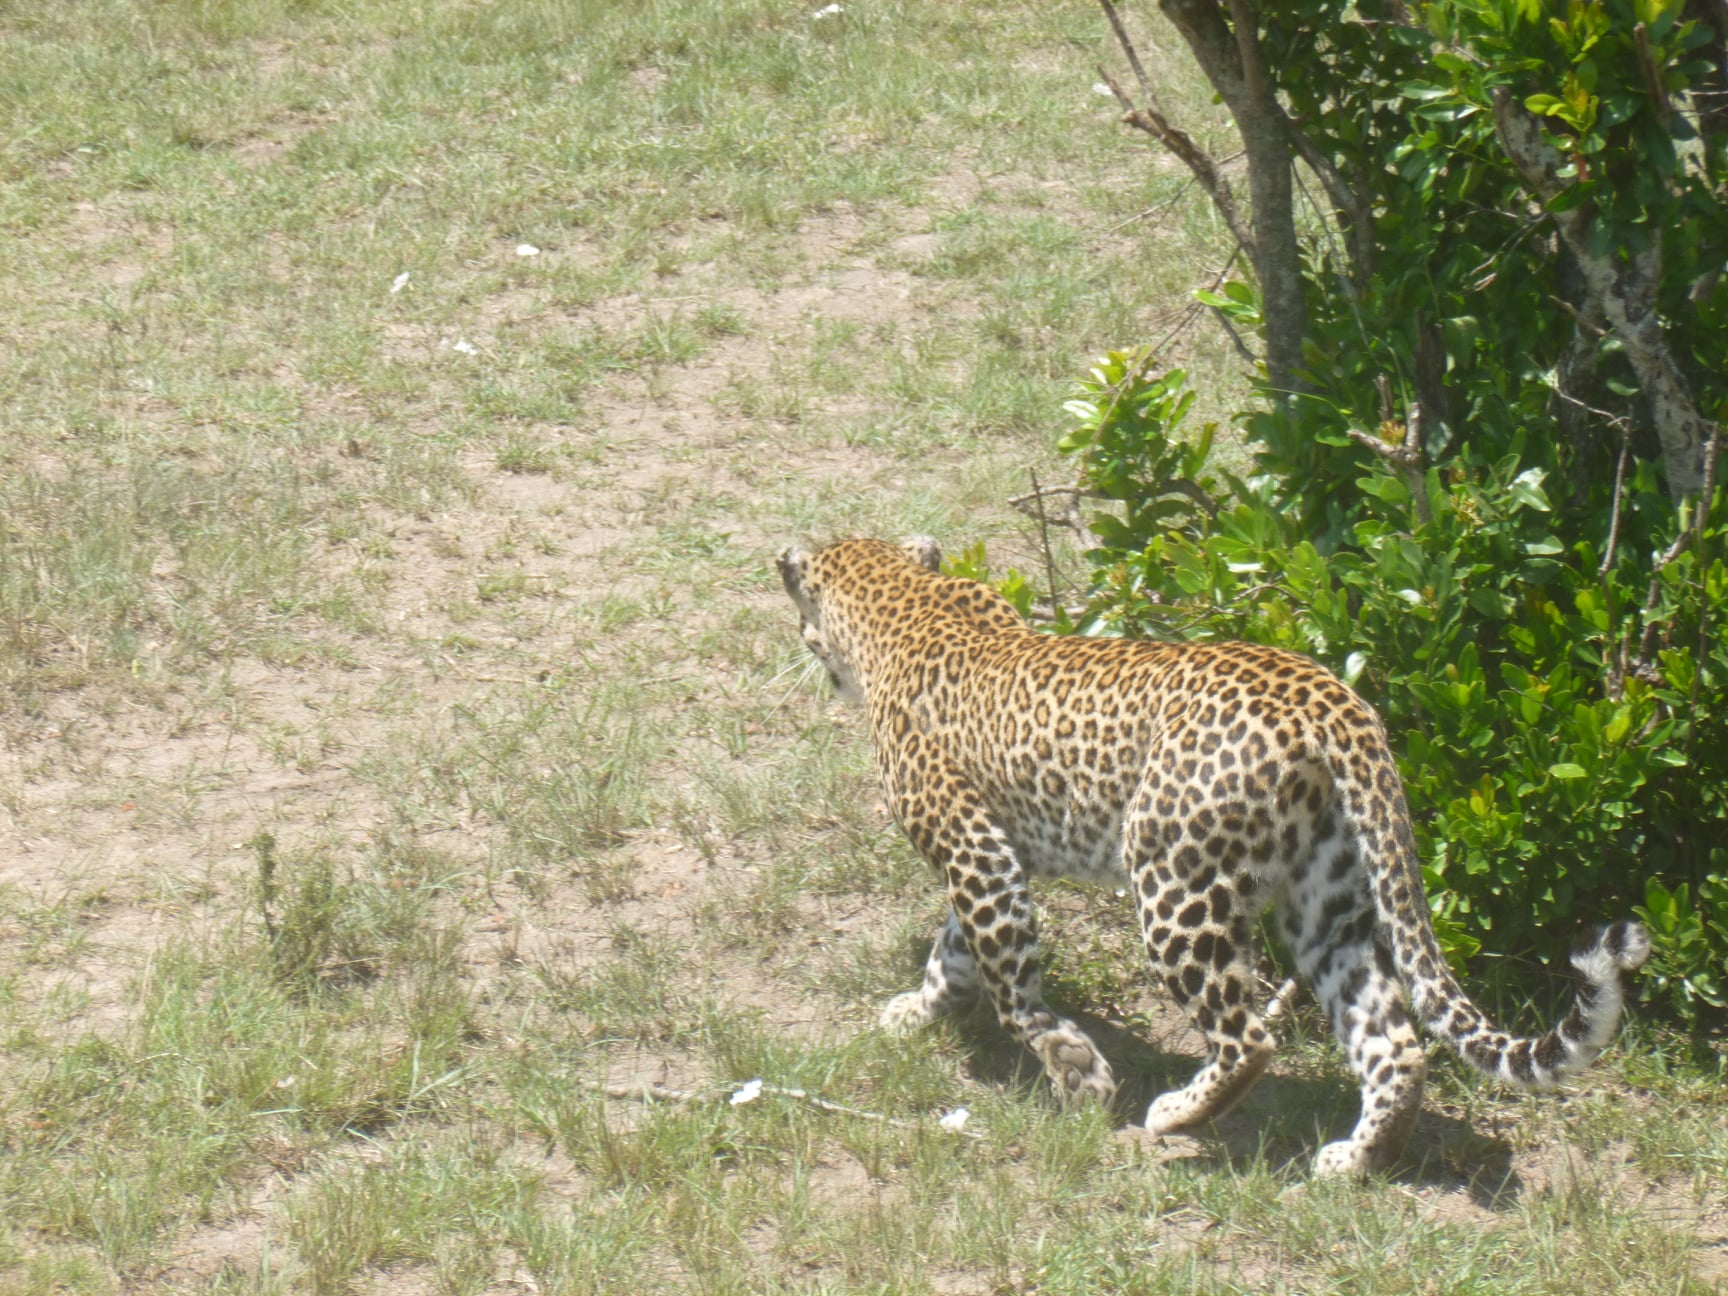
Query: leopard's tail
[1373,802]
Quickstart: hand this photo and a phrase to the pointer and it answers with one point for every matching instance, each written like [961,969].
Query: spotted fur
[1219,779]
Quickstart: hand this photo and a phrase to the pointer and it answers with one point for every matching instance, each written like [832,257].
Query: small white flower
[527,249]
[828,11]
[955,1121]
[399,283]
[465,347]
[747,1092]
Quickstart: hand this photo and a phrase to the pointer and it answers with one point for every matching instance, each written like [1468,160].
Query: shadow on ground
[1282,1122]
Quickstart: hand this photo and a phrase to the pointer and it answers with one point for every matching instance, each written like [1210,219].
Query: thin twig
[1044,536]
[1032,504]
[1151,119]
[1082,492]
[1615,683]
[1128,49]
[1652,76]
[1645,666]
[839,1109]
[1607,563]
[1613,420]
[1350,209]
[648,1092]
[1154,209]
[1235,337]
[1653,596]
[1182,486]
[1706,497]
[1354,281]
[1593,329]
[1178,628]
[1192,312]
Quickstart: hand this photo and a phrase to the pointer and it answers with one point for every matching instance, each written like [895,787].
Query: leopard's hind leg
[1331,925]
[1197,904]
[950,982]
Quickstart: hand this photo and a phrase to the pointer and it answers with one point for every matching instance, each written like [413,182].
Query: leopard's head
[844,589]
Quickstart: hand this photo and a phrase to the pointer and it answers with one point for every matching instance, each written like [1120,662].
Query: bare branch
[1032,503]
[1618,421]
[1044,535]
[1707,100]
[1405,455]
[1154,209]
[1132,54]
[1191,155]
[1182,486]
[1274,249]
[1695,532]
[1223,319]
[1270,237]
[1706,498]
[1578,318]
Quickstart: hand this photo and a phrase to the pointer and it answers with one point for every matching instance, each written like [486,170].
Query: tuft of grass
[447,1205]
[565,776]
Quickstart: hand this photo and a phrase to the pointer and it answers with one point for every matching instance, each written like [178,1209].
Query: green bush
[1465,507]
[1548,790]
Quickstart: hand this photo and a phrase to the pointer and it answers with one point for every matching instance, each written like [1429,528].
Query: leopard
[1216,782]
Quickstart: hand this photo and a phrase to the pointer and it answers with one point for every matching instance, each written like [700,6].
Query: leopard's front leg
[993,915]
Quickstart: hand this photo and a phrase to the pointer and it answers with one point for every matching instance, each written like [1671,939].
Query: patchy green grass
[417,816]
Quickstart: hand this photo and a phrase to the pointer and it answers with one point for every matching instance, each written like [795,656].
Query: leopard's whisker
[800,664]
[811,667]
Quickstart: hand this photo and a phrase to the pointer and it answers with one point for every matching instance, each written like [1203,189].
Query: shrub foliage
[1466,509]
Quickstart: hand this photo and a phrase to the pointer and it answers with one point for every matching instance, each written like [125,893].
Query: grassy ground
[415,821]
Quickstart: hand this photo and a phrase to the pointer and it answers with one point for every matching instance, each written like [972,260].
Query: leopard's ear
[925,552]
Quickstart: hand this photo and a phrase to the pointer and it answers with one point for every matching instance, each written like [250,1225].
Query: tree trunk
[1232,63]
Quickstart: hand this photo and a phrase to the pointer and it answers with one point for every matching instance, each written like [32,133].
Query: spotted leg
[950,982]
[992,911]
[1331,927]
[1198,924]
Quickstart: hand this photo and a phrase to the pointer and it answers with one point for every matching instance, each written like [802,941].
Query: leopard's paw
[1077,1070]
[907,1012]
[1343,1158]
[1172,1111]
